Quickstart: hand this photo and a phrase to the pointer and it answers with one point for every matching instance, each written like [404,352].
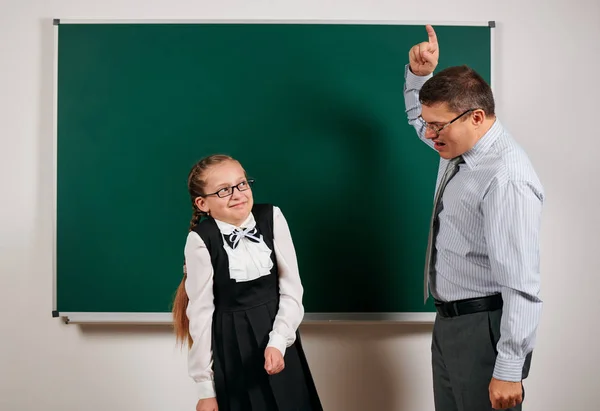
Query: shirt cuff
[509,370]
[278,342]
[414,82]
[206,389]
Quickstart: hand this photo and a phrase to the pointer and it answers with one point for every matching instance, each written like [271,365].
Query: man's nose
[429,133]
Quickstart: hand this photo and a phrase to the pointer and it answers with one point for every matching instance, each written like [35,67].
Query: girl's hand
[207,404]
[273,361]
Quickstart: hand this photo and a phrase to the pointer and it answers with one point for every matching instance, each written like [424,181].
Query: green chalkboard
[314,112]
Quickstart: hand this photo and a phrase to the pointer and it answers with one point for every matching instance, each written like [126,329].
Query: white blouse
[248,261]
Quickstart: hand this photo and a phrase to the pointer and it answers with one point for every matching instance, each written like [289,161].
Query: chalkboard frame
[165,318]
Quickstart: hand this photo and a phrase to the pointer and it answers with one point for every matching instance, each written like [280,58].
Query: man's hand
[505,394]
[424,56]
[273,361]
[207,404]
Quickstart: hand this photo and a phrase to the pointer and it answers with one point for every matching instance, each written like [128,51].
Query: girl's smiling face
[219,200]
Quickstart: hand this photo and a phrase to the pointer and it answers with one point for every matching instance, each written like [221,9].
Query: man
[483,256]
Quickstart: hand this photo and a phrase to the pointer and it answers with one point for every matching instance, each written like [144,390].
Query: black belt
[469,306]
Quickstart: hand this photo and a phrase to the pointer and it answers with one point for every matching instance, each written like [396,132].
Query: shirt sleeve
[199,288]
[512,216]
[412,86]
[291,311]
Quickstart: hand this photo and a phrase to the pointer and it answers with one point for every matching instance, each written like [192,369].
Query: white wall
[545,50]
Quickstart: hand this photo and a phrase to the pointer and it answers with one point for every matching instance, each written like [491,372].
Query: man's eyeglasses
[227,191]
[438,129]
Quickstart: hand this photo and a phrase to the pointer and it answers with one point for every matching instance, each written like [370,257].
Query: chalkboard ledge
[309,318]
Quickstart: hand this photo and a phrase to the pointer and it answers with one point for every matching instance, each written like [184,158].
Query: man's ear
[478,117]
[200,202]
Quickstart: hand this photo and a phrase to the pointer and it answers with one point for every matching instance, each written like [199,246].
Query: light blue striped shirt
[488,239]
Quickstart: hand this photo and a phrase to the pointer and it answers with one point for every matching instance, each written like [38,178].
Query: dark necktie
[451,170]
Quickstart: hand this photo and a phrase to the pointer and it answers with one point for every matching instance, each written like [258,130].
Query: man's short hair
[461,88]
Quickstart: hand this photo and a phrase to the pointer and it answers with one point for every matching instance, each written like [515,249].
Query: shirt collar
[480,149]
[227,228]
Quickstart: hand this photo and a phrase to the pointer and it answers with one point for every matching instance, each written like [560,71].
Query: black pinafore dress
[243,318]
